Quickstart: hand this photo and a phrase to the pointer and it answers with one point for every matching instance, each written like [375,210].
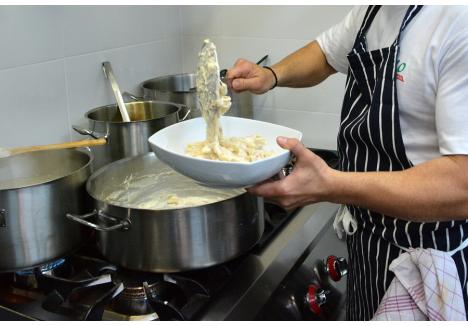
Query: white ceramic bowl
[169,145]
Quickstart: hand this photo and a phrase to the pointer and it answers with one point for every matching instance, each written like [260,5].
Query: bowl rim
[217,162]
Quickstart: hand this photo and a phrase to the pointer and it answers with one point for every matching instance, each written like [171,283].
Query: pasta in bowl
[170,145]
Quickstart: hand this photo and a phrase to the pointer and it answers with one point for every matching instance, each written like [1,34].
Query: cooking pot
[137,236]
[126,139]
[181,88]
[37,189]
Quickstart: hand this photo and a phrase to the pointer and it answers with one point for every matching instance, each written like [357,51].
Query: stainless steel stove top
[279,268]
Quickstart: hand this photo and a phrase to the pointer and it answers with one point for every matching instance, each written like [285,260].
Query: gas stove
[287,275]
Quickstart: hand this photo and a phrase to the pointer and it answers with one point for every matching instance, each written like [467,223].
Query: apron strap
[345,222]
[368,19]
[410,13]
[371,12]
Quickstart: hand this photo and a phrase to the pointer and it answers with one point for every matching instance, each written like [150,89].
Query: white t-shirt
[432,72]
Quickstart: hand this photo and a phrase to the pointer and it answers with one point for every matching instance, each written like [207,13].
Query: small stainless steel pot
[126,139]
[37,189]
[182,88]
[168,240]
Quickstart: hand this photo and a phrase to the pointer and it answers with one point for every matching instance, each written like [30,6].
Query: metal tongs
[223,72]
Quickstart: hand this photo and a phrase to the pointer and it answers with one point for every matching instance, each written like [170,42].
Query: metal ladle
[109,73]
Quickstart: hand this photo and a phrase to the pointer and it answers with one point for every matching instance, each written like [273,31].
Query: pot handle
[86,132]
[125,224]
[183,106]
[133,97]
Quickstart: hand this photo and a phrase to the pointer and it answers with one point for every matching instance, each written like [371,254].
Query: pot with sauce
[151,218]
[37,189]
[126,139]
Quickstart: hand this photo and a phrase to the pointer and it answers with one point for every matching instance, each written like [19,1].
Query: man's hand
[247,76]
[436,190]
[308,182]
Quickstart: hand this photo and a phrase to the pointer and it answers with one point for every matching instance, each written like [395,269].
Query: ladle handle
[109,73]
[73,144]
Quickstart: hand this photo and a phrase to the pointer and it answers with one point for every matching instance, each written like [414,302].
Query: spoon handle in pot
[73,144]
[109,73]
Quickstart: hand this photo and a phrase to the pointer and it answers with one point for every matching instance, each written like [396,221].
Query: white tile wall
[109,27]
[34,104]
[88,88]
[50,63]
[29,34]
[50,60]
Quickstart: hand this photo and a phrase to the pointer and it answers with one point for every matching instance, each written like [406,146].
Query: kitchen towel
[426,286]
[344,222]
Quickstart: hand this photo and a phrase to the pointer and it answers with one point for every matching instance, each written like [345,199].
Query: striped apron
[370,139]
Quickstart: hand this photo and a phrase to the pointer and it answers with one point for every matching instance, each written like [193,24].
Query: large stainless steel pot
[37,189]
[168,240]
[181,88]
[126,139]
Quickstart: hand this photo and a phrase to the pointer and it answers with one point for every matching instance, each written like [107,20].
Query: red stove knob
[316,297]
[336,267]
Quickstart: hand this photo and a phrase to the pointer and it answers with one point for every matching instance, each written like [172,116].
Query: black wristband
[274,74]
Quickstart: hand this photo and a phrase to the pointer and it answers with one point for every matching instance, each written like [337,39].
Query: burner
[146,293]
[42,269]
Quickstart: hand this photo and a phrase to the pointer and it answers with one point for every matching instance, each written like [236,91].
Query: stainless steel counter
[262,272]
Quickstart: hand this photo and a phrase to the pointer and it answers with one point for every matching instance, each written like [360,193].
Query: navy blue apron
[370,139]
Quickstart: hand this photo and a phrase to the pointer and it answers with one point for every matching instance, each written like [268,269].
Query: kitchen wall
[50,61]
[250,32]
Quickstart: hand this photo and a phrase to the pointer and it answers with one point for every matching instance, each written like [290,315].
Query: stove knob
[336,267]
[316,297]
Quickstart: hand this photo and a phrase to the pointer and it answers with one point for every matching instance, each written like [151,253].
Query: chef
[402,139]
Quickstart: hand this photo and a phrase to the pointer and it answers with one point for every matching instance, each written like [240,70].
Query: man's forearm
[434,191]
[306,67]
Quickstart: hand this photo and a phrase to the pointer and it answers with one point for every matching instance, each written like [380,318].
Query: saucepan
[150,218]
[37,189]
[182,88]
[126,139]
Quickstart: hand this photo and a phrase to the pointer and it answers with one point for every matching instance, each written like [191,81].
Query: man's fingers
[242,68]
[267,189]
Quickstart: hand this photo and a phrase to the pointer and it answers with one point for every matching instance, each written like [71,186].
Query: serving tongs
[223,72]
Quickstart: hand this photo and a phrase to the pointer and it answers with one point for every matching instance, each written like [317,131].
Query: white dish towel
[426,286]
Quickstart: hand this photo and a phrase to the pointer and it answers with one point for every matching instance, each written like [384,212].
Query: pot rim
[178,106]
[156,79]
[128,209]
[88,153]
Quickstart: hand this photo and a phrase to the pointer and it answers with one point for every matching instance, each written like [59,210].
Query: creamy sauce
[151,191]
[214,102]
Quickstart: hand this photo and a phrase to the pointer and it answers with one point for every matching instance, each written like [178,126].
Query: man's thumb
[292,144]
